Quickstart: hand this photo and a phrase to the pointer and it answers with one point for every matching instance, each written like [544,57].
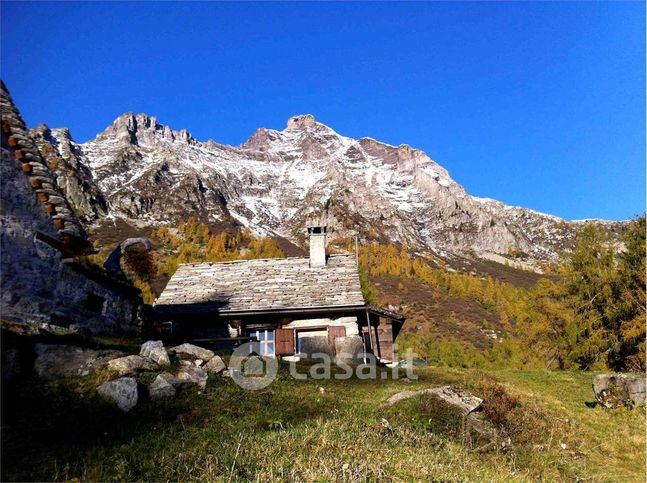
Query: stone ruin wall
[36,287]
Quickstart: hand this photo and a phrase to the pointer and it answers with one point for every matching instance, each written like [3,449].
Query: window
[305,344]
[265,342]
[94,303]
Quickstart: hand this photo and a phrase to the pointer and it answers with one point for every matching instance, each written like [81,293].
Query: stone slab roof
[259,285]
[16,140]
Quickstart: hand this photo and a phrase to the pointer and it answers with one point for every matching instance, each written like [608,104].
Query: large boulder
[190,351]
[122,392]
[462,400]
[215,365]
[619,389]
[154,350]
[53,361]
[193,375]
[131,365]
[161,388]
[477,430]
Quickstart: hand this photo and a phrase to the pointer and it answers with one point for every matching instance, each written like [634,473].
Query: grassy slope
[293,430]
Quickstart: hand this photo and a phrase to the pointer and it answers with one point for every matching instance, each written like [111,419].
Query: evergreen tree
[628,348]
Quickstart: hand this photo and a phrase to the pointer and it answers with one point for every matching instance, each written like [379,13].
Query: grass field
[316,431]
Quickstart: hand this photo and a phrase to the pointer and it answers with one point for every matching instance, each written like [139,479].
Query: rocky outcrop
[122,392]
[619,389]
[72,177]
[296,123]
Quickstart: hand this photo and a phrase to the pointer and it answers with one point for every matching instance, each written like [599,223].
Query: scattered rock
[161,388]
[198,362]
[215,365]
[154,350]
[409,363]
[193,351]
[619,389]
[186,363]
[131,365]
[227,373]
[65,361]
[193,375]
[172,380]
[122,391]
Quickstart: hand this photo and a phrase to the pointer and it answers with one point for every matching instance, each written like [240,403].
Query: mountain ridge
[278,180]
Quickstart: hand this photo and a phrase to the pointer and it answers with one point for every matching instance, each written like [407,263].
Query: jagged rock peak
[133,122]
[299,122]
[133,126]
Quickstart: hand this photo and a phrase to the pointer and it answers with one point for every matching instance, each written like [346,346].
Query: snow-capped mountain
[277,181]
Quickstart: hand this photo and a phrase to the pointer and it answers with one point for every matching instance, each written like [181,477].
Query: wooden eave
[103,278]
[71,246]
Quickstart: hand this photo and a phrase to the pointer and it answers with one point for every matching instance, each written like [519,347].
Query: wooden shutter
[385,339]
[335,331]
[284,342]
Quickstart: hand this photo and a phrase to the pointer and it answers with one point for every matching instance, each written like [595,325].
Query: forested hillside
[589,313]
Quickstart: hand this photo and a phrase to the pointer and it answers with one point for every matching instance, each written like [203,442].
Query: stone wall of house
[28,266]
[317,341]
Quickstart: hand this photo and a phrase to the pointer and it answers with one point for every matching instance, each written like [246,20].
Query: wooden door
[284,342]
[335,331]
[370,341]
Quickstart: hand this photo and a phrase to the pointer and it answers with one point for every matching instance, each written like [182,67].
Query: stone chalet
[292,306]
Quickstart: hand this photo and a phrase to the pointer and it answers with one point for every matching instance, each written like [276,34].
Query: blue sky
[535,104]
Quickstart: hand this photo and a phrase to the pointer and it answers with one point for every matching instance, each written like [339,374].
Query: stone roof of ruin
[262,285]
[16,140]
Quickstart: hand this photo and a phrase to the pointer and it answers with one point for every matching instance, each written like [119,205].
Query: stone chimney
[317,246]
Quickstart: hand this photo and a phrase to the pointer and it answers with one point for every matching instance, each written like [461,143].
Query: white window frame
[265,342]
